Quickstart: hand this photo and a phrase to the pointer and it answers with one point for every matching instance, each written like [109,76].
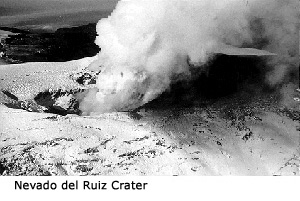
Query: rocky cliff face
[63,45]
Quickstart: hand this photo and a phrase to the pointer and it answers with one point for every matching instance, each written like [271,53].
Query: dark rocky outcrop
[63,45]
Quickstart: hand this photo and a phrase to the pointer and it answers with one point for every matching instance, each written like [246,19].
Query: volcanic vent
[212,48]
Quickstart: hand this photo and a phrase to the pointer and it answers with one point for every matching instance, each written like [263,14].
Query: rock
[59,101]
[63,45]
[85,77]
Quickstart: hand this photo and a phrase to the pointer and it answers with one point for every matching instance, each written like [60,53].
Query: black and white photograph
[149,88]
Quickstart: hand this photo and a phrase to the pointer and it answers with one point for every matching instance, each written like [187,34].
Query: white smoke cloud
[146,45]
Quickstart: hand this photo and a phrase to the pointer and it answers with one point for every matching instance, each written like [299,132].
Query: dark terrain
[63,45]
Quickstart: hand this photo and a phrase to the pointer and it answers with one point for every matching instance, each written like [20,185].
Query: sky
[52,14]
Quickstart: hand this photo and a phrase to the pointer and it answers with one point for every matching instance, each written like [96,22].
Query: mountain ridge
[62,45]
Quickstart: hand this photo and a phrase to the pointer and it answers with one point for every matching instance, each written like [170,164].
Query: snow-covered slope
[27,80]
[238,135]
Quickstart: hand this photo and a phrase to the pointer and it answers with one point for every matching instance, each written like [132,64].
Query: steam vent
[154,88]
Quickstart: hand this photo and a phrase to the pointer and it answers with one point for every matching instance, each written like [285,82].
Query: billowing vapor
[148,44]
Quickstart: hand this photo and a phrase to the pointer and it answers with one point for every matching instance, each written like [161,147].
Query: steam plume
[146,45]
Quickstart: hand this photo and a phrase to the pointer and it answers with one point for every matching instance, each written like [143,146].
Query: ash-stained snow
[238,135]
